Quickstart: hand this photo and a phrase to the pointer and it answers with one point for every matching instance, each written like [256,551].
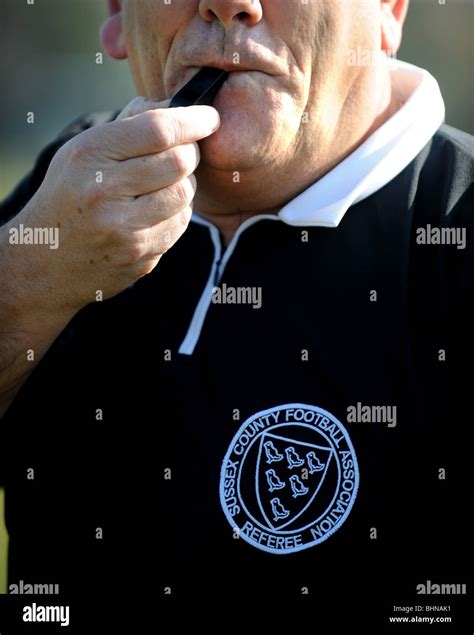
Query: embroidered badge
[289,478]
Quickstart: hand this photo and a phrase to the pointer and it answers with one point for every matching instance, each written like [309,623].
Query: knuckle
[161,129]
[185,217]
[136,249]
[110,235]
[176,228]
[183,191]
[167,241]
[193,181]
[79,149]
[145,268]
[97,193]
[182,161]
[94,194]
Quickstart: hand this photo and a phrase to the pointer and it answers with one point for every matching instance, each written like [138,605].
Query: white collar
[385,154]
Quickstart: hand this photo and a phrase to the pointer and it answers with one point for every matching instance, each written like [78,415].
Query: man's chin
[234,148]
[223,156]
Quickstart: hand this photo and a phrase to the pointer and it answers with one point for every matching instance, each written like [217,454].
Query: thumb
[140,105]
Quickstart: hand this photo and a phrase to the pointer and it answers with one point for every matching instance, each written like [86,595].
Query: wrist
[27,288]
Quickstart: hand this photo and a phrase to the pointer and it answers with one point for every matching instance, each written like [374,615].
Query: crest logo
[289,478]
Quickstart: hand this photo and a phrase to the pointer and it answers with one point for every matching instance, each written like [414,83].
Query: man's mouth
[194,91]
[202,89]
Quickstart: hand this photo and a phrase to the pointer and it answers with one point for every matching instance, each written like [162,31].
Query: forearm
[30,321]
[21,348]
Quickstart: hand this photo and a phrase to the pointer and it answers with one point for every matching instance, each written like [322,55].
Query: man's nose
[229,11]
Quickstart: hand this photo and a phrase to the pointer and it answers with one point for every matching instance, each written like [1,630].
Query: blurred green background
[48,66]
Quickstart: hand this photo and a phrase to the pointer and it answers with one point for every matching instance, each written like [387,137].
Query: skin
[158,162]
[298,54]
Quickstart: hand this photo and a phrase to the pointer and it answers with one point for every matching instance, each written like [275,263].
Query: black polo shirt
[235,466]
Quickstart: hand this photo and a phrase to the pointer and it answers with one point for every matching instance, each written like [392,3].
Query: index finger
[155,131]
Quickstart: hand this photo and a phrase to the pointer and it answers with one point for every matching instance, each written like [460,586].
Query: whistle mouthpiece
[202,89]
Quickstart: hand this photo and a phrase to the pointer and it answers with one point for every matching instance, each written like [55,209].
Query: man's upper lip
[232,67]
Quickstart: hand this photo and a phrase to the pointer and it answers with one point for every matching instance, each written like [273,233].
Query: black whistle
[202,89]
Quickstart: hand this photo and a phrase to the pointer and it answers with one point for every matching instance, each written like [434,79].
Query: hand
[120,195]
